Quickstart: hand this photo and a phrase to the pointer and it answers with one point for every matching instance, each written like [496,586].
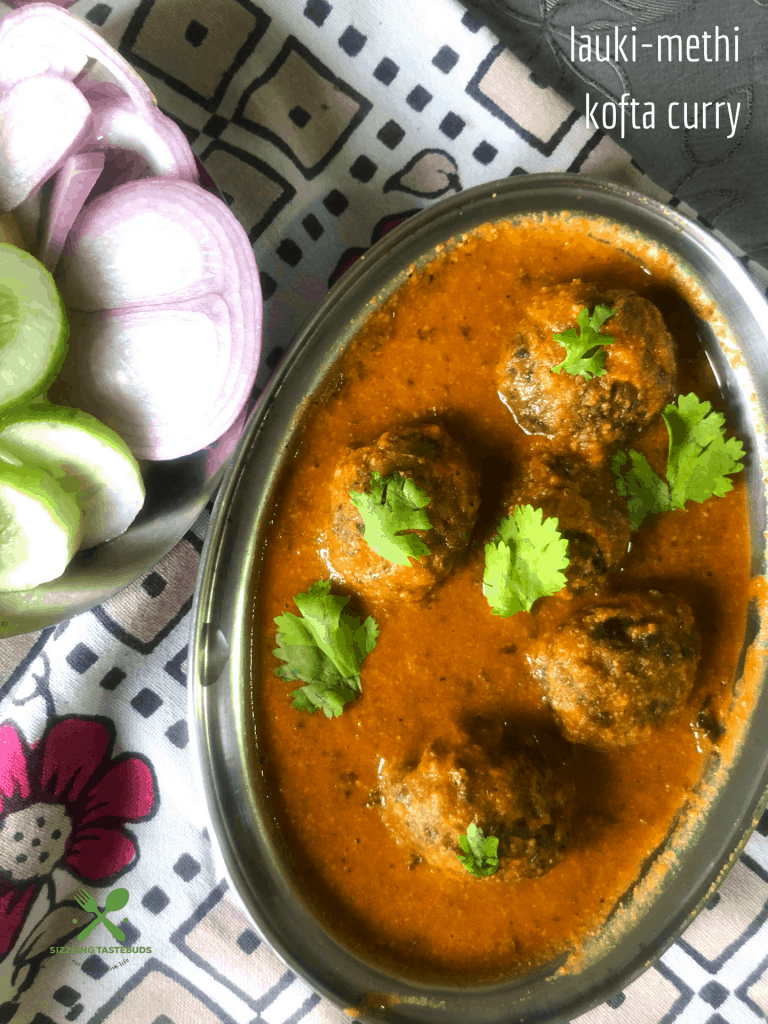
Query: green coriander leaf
[329,699]
[323,648]
[480,856]
[395,504]
[699,462]
[527,562]
[645,491]
[586,354]
[700,458]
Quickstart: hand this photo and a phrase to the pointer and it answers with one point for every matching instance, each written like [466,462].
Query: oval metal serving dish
[223,687]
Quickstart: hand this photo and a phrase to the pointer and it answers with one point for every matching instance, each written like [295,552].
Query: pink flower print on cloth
[64,801]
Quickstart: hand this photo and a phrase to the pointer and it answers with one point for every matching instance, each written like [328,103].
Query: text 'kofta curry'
[491,602]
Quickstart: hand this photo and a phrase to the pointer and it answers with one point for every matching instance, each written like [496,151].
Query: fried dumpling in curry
[511,792]
[591,515]
[619,666]
[439,466]
[591,416]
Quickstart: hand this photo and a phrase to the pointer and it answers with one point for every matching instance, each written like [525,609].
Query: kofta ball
[596,415]
[591,515]
[513,794]
[617,668]
[439,466]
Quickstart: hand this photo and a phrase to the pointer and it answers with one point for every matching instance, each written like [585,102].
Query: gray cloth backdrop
[722,178]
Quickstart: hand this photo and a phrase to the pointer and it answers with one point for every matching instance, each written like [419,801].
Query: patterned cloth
[324,122]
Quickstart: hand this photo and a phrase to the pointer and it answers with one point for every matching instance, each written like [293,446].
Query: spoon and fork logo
[116,900]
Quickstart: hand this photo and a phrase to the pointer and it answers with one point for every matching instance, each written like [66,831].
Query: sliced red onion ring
[167,341]
[108,264]
[198,248]
[154,375]
[120,167]
[34,45]
[95,88]
[199,253]
[72,186]
[57,3]
[119,125]
[42,121]
[43,39]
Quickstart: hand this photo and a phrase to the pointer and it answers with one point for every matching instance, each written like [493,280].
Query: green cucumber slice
[39,527]
[88,459]
[33,327]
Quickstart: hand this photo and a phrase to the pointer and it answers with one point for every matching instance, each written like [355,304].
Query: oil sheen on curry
[572,733]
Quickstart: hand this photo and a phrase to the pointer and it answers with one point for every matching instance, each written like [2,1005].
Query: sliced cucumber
[39,527]
[88,459]
[33,327]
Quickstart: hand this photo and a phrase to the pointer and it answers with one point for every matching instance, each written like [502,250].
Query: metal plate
[220,676]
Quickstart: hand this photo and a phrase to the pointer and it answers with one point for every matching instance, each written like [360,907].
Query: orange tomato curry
[429,353]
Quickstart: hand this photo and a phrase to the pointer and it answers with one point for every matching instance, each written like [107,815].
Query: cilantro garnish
[644,490]
[526,562]
[480,855]
[586,356]
[699,462]
[324,648]
[395,503]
